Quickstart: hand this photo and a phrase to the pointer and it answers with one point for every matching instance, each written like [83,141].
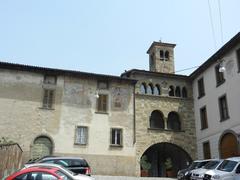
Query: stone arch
[178,92]
[42,145]
[143,88]
[158,154]
[228,144]
[157,89]
[156,120]
[171,91]
[173,121]
[150,89]
[184,92]
[166,55]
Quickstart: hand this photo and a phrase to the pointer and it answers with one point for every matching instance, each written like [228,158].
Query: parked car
[39,173]
[229,169]
[185,174]
[198,174]
[70,174]
[74,164]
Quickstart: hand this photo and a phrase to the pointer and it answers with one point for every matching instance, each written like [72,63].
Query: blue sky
[110,36]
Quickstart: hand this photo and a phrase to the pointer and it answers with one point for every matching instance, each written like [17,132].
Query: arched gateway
[165,159]
[42,146]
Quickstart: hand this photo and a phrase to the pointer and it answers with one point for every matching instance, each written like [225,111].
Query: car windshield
[211,165]
[227,165]
[193,165]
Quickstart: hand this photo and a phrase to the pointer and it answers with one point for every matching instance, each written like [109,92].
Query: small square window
[102,85]
[81,136]
[116,137]
[48,98]
[50,79]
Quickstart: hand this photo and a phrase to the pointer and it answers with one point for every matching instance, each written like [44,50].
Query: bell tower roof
[154,44]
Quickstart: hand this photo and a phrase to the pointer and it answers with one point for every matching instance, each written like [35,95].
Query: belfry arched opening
[164,160]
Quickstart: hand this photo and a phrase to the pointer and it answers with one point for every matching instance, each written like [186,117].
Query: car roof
[65,157]
[43,165]
[234,159]
[50,170]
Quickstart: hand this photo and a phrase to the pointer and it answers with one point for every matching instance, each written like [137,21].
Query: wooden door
[228,146]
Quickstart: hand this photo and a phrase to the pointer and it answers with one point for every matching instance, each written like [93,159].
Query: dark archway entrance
[228,146]
[166,159]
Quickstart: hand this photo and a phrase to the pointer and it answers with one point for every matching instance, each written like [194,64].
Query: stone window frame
[102,103]
[219,76]
[203,117]
[153,120]
[178,121]
[86,133]
[206,150]
[238,59]
[201,88]
[223,108]
[116,136]
[48,98]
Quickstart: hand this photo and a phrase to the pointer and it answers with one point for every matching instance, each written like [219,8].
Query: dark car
[75,164]
[185,174]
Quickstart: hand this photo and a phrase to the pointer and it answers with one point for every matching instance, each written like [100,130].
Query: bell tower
[161,57]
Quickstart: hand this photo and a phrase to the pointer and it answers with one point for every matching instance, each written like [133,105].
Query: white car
[70,174]
[198,174]
[229,169]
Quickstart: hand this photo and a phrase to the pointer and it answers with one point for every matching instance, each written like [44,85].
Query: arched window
[178,92]
[157,90]
[166,55]
[150,89]
[173,122]
[184,92]
[171,91]
[143,88]
[157,120]
[161,55]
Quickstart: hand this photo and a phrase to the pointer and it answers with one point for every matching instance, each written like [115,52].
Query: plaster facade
[24,119]
[230,87]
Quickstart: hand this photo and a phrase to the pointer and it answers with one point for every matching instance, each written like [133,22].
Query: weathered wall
[10,159]
[145,104]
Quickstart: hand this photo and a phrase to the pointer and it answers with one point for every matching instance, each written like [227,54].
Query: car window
[48,161]
[227,165]
[63,176]
[63,162]
[211,165]
[201,164]
[36,176]
[78,163]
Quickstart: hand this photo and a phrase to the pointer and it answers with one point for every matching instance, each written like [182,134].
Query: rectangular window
[206,150]
[203,117]
[201,90]
[81,136]
[48,98]
[219,76]
[48,79]
[238,59]
[102,103]
[116,137]
[223,108]
[102,85]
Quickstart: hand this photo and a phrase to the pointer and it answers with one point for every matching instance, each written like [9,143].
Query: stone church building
[111,121]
